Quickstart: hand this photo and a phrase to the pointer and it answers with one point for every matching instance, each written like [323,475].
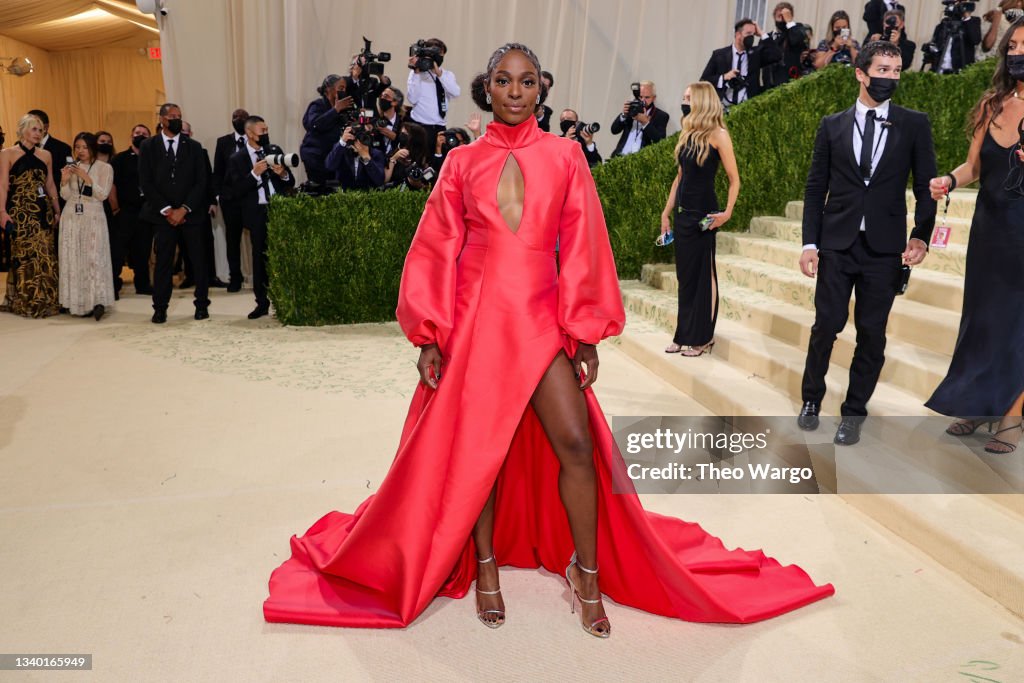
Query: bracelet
[952,181]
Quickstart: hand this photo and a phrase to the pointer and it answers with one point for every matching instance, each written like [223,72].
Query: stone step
[785,232]
[938,281]
[961,205]
[769,340]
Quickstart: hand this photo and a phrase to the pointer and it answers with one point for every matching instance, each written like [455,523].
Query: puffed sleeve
[426,297]
[589,301]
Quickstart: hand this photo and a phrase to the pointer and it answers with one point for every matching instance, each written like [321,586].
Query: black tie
[867,144]
[739,63]
[442,103]
[170,150]
[240,144]
[260,155]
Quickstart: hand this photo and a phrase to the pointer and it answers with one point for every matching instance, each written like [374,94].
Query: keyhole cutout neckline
[510,195]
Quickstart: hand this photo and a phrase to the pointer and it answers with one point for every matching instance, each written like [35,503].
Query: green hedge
[338,259]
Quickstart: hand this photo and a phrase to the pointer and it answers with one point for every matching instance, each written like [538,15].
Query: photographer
[445,142]
[543,111]
[640,123]
[874,16]
[895,32]
[430,88]
[409,168]
[389,120]
[324,122]
[354,161]
[999,20]
[582,133]
[735,71]
[955,39]
[837,47]
[793,39]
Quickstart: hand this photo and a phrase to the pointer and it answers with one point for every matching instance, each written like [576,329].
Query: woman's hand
[473,124]
[666,224]
[429,365]
[586,354]
[939,187]
[721,218]
[399,155]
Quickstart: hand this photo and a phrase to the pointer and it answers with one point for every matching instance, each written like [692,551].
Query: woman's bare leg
[562,411]
[1009,425]
[487,572]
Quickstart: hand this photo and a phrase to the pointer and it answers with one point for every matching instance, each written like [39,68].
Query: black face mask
[238,125]
[440,60]
[264,140]
[882,89]
[748,42]
[780,25]
[566,126]
[105,148]
[385,105]
[174,125]
[138,140]
[686,109]
[1015,67]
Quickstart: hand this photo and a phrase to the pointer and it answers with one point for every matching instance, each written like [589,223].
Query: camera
[427,56]
[737,82]
[588,128]
[637,105]
[283,159]
[956,9]
[423,175]
[373,62]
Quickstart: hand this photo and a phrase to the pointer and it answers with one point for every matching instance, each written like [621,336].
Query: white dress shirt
[421,93]
[263,197]
[636,134]
[742,94]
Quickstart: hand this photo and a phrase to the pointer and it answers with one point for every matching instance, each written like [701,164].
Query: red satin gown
[500,311]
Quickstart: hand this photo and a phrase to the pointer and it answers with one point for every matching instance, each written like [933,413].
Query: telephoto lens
[283,159]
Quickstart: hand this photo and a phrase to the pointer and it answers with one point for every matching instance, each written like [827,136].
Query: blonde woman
[703,144]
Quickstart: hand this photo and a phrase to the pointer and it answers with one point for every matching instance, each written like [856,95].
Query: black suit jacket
[874,13]
[965,42]
[653,132]
[226,147]
[760,56]
[240,186]
[183,183]
[60,151]
[836,198]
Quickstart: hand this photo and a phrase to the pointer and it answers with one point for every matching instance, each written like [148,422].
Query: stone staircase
[766,311]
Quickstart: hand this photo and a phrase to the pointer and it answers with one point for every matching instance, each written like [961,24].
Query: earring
[538,99]
[488,98]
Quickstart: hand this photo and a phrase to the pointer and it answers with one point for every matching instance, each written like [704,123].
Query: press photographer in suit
[641,123]
[855,228]
[174,178]
[251,182]
[735,71]
[874,16]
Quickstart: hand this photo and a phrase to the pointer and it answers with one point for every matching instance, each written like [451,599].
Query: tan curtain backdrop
[269,55]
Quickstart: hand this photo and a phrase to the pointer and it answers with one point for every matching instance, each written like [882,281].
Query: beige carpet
[150,477]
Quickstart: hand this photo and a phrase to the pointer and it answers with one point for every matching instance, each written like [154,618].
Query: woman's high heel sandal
[1000,447]
[967,427]
[693,352]
[480,614]
[575,595]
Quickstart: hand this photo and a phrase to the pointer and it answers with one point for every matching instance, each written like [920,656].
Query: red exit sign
[154,53]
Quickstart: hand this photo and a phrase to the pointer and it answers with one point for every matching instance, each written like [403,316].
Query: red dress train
[500,310]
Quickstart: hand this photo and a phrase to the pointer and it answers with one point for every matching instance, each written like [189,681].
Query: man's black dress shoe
[808,419]
[259,312]
[159,317]
[187,283]
[849,431]
[234,286]
[202,313]
[218,283]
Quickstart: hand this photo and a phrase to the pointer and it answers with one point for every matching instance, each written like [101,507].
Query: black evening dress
[695,249]
[986,374]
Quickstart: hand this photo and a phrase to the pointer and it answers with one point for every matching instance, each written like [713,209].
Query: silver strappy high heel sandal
[575,595]
[480,613]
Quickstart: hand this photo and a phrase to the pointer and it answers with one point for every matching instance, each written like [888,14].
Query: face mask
[748,42]
[686,109]
[566,126]
[105,148]
[1013,15]
[385,105]
[781,25]
[238,125]
[174,125]
[264,140]
[440,60]
[138,140]
[881,89]
[1015,66]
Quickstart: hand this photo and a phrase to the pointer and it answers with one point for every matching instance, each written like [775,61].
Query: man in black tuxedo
[135,237]
[874,16]
[855,228]
[251,182]
[647,127]
[569,125]
[173,176]
[230,209]
[60,151]
[741,59]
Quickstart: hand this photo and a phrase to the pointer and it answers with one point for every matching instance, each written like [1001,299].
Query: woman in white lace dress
[86,287]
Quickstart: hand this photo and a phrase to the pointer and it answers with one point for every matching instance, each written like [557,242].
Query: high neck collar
[27,150]
[513,137]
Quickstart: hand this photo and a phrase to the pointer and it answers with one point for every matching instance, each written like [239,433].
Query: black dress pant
[232,212]
[256,221]
[136,243]
[165,239]
[206,233]
[873,277]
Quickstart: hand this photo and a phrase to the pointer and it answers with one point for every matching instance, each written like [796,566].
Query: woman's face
[686,97]
[514,88]
[81,150]
[839,25]
[33,135]
[1016,44]
[105,140]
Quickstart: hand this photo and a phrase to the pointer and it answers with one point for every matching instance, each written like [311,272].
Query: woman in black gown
[985,381]
[703,144]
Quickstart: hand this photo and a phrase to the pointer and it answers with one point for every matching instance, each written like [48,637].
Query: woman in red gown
[505,457]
